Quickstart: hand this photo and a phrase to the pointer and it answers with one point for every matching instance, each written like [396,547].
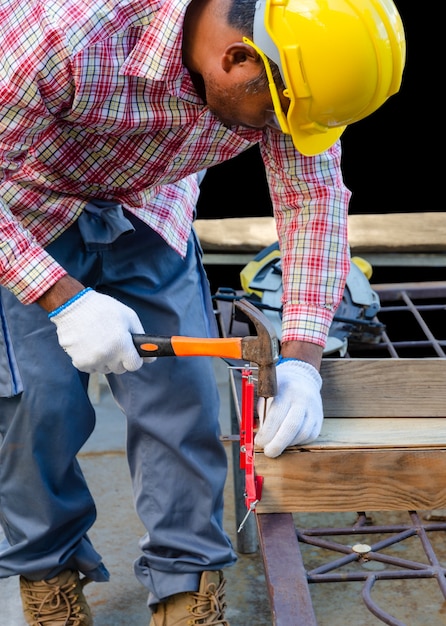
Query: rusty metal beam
[286,579]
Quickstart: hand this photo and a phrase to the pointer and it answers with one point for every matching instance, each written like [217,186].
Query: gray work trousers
[177,463]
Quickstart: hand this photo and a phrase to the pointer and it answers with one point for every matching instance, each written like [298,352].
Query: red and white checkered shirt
[96,103]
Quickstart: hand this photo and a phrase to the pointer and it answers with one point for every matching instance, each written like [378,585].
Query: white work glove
[294,416]
[95,331]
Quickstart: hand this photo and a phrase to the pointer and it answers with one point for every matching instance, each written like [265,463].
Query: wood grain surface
[382,445]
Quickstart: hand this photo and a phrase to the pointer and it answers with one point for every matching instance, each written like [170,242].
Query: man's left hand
[294,416]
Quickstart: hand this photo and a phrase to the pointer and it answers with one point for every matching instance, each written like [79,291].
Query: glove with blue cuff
[95,330]
[295,415]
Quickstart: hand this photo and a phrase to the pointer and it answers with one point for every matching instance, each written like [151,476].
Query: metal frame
[289,582]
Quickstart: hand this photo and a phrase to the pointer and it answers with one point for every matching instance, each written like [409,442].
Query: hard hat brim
[311,144]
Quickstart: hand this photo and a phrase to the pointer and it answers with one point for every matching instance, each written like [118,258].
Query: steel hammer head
[262,349]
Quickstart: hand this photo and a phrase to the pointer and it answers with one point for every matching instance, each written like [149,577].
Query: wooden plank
[381,432]
[384,449]
[236,234]
[419,232]
[397,232]
[384,387]
[352,480]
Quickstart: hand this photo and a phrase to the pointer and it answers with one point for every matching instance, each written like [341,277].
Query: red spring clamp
[253,483]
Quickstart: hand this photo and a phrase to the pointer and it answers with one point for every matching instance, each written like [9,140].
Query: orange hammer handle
[148,345]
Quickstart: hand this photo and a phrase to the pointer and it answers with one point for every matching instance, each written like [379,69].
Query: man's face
[246,104]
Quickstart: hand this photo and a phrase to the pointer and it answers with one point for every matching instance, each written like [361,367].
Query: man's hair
[241,16]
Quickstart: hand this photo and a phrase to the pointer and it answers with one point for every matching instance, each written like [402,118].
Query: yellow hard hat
[339,59]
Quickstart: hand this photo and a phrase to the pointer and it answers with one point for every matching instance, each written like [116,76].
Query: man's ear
[237,54]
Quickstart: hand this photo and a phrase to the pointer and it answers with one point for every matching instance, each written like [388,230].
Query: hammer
[262,349]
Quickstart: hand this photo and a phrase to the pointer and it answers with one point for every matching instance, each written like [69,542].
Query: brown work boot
[205,606]
[59,601]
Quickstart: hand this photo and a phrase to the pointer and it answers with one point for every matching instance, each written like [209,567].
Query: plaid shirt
[96,103]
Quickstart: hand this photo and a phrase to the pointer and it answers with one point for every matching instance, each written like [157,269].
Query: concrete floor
[122,601]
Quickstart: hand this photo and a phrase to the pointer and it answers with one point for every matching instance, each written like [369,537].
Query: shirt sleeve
[35,85]
[310,203]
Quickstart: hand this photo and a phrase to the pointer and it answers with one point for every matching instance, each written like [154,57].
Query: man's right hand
[95,330]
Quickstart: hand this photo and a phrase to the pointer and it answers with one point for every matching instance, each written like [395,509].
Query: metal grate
[346,562]
[414,316]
